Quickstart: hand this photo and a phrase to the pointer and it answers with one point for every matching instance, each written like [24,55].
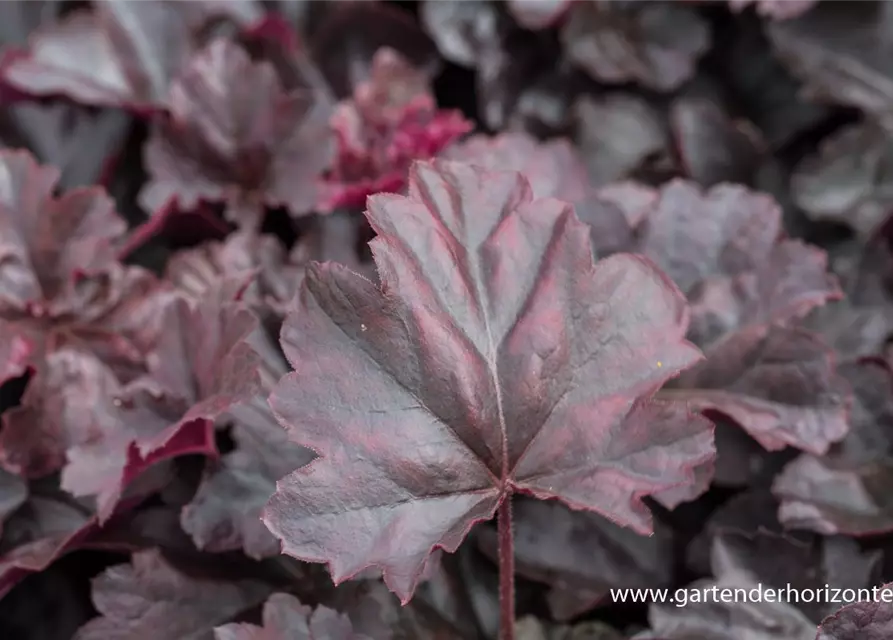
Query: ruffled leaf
[150,597]
[235,134]
[440,393]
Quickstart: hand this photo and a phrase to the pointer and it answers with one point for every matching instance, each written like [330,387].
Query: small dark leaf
[841,52]
[225,513]
[861,620]
[82,144]
[850,180]
[197,271]
[780,386]
[151,598]
[460,29]
[617,135]
[713,148]
[761,86]
[37,534]
[655,43]
[234,134]
[749,512]
[845,490]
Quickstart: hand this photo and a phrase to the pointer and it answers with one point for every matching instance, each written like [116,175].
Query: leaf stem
[506,570]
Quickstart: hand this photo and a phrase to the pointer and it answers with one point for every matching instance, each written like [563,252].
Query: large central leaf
[495,357]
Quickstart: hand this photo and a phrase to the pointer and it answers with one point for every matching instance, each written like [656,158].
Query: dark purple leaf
[853,331]
[845,490]
[62,292]
[740,460]
[860,324]
[544,105]
[46,241]
[712,148]
[234,134]
[74,139]
[866,270]
[513,67]
[460,29]
[37,534]
[285,618]
[225,513]
[723,247]
[204,356]
[582,555]
[151,598]
[196,271]
[614,215]
[749,512]
[120,54]
[779,384]
[59,283]
[114,316]
[459,596]
[849,181]
[429,370]
[761,86]
[80,414]
[872,620]
[512,75]
[618,135]
[656,44]
[474,350]
[81,144]
[728,242]
[86,423]
[841,52]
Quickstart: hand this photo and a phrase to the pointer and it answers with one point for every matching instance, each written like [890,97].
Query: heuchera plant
[410,447]
[444,320]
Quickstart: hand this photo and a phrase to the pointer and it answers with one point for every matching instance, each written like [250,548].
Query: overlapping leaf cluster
[296,296]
